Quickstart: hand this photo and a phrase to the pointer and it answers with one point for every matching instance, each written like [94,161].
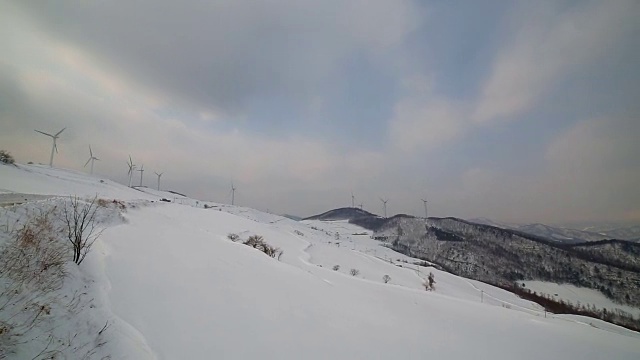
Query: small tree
[80,220]
[6,158]
[336,267]
[354,272]
[429,285]
[386,278]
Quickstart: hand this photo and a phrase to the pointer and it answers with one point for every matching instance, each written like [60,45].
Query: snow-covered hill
[164,281]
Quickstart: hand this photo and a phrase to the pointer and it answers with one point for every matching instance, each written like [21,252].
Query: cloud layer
[299,104]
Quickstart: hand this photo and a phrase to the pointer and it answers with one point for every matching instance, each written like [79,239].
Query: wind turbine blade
[60,132]
[85,164]
[43,133]
[90,152]
[55,146]
[95,158]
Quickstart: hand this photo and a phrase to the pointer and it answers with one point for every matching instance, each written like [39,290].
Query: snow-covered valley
[165,281]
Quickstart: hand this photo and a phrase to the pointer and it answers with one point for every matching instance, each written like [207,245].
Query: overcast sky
[524,111]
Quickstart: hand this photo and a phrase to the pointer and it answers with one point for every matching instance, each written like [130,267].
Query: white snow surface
[574,294]
[173,286]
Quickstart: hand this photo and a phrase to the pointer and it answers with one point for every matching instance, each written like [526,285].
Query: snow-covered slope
[43,180]
[175,287]
[578,295]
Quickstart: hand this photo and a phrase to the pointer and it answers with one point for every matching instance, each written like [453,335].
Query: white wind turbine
[384,206]
[425,208]
[233,194]
[158,175]
[353,200]
[91,159]
[132,168]
[141,172]
[54,146]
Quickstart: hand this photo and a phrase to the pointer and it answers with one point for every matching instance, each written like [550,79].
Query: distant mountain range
[504,256]
[570,235]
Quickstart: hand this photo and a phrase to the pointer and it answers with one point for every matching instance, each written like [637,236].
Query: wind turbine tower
[132,168]
[353,200]
[141,172]
[91,158]
[384,206]
[233,194]
[55,146]
[158,175]
[425,208]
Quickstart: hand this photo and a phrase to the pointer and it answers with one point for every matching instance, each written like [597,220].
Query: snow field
[576,294]
[195,294]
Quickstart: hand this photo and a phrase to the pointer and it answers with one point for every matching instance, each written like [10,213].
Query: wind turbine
[425,208]
[132,168]
[92,159]
[55,146]
[141,172]
[384,206]
[361,206]
[159,175]
[233,194]
[353,200]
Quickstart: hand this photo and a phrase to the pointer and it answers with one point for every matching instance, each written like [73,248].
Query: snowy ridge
[173,286]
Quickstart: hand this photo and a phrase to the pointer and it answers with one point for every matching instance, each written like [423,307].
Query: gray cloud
[226,54]
[214,92]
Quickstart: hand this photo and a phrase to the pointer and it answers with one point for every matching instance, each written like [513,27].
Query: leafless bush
[6,158]
[354,272]
[80,220]
[233,237]
[257,242]
[430,283]
[336,267]
[386,278]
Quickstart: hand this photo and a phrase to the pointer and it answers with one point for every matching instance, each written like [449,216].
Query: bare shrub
[386,278]
[257,242]
[354,272]
[103,203]
[430,283]
[80,220]
[6,158]
[115,204]
[336,267]
[233,237]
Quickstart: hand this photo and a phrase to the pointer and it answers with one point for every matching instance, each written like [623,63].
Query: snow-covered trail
[196,295]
